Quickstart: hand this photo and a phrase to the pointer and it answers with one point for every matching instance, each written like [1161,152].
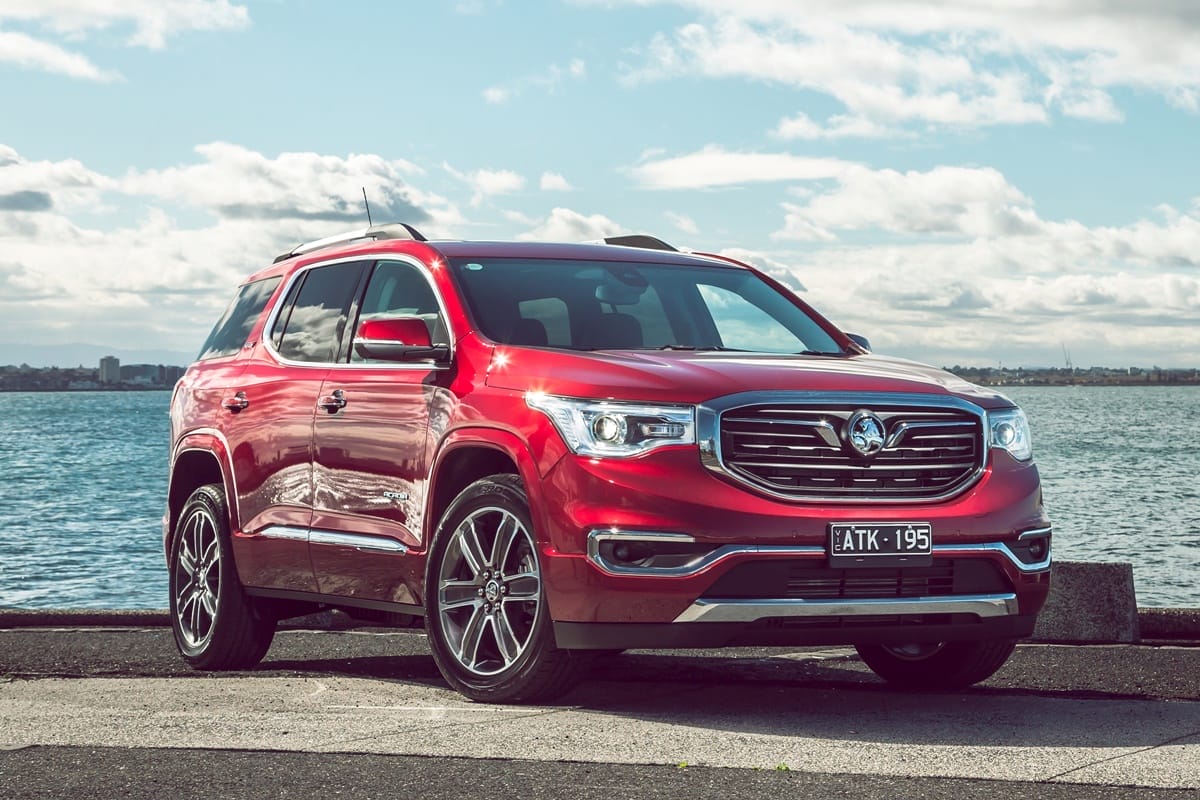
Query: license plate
[880,544]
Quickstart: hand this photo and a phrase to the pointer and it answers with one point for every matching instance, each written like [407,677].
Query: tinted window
[234,326]
[399,289]
[314,325]
[594,305]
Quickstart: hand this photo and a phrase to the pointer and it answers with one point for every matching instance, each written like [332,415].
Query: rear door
[271,437]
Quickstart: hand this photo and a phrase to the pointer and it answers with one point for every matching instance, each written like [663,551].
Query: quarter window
[234,326]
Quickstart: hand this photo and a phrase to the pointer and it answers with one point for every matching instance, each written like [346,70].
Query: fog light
[1037,549]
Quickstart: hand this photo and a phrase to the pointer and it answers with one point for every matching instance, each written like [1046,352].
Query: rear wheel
[489,626]
[937,665]
[216,625]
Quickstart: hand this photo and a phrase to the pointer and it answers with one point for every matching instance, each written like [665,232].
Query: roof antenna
[370,224]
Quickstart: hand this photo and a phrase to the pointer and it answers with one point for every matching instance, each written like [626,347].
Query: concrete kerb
[1089,603]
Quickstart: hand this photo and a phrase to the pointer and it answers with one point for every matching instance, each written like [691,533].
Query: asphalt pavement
[114,712]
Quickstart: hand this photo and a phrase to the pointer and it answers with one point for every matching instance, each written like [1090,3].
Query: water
[85,478]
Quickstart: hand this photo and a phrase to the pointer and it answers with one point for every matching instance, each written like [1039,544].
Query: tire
[940,665]
[216,625]
[486,614]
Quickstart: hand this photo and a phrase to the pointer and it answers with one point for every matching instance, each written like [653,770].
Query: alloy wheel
[197,578]
[489,591]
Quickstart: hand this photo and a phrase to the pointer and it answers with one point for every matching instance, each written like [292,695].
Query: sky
[967,183]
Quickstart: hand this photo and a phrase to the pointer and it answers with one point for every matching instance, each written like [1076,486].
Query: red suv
[549,450]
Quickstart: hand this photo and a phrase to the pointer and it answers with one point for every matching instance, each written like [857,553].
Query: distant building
[110,369]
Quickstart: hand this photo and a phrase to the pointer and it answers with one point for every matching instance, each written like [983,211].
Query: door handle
[238,402]
[333,402]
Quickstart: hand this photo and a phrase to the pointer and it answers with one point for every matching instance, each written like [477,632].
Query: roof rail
[640,240]
[392,230]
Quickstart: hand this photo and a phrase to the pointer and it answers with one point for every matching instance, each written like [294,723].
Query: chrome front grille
[799,450]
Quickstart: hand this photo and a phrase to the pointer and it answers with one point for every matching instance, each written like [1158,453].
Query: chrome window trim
[708,435]
[985,606]
[373,259]
[358,541]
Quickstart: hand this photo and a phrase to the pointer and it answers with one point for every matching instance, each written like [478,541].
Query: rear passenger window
[234,326]
[311,328]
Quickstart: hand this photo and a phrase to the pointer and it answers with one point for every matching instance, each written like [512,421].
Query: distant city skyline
[973,183]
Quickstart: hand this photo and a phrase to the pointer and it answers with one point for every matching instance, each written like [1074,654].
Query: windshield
[605,305]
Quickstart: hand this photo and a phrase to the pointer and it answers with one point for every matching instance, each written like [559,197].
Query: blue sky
[966,183]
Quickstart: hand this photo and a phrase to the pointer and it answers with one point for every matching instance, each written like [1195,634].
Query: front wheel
[489,626]
[216,625]
[937,665]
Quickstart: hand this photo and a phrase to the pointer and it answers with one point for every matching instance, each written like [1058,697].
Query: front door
[370,448]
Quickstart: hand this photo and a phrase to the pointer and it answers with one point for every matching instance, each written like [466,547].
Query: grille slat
[797,451]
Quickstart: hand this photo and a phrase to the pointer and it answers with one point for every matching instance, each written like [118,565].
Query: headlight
[608,428]
[1009,430]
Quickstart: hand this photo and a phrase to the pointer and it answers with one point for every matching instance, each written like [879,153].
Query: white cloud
[713,166]
[236,183]
[554,182]
[151,23]
[838,126]
[956,200]
[30,53]
[947,64]
[487,183]
[496,95]
[550,80]
[37,186]
[157,279]
[683,222]
[566,225]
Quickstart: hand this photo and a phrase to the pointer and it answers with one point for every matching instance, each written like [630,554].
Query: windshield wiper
[700,348]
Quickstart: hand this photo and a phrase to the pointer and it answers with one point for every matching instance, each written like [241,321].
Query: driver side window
[399,289]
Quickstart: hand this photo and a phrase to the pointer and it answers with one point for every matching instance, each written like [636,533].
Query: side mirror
[397,339]
[860,340]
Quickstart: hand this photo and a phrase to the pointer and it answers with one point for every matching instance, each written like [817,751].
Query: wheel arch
[469,455]
[198,460]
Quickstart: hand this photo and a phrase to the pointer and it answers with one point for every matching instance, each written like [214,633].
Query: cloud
[565,225]
[29,53]
[945,200]
[487,183]
[237,183]
[713,166]
[549,80]
[161,279]
[151,22]
[683,222]
[838,126]
[26,200]
[40,185]
[923,62]
[554,182]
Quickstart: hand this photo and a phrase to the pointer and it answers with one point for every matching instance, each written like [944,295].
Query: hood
[690,377]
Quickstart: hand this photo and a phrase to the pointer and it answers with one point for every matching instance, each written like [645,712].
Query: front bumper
[759,573]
